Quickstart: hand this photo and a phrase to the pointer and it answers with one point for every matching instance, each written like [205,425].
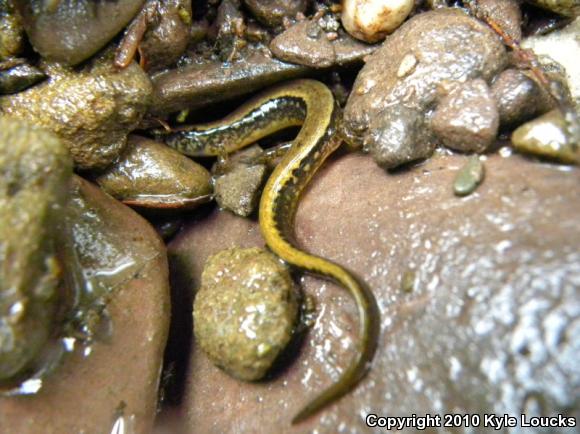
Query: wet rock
[91,110]
[306,43]
[549,136]
[211,82]
[469,177]
[467,119]
[519,97]
[122,371]
[273,12]
[506,13]
[372,20]
[239,190]
[35,170]
[11,31]
[403,76]
[569,8]
[562,47]
[402,136]
[489,327]
[153,175]
[19,77]
[168,35]
[75,29]
[245,310]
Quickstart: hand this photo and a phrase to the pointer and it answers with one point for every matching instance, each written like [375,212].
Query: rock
[402,136]
[35,170]
[19,77]
[403,76]
[506,13]
[11,31]
[154,175]
[372,20]
[467,119]
[562,47]
[469,177]
[548,136]
[91,110]
[211,82]
[122,372]
[74,30]
[168,37]
[490,325]
[239,190]
[519,97]
[569,8]
[306,43]
[273,12]
[244,317]
[199,85]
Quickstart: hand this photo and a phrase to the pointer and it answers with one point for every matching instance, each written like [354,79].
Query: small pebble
[469,177]
[548,137]
[239,190]
[408,280]
[373,20]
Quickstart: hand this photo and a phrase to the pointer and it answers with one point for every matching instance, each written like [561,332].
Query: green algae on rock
[150,174]
[91,110]
[245,311]
[35,170]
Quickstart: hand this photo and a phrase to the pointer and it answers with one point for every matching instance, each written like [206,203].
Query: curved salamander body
[308,103]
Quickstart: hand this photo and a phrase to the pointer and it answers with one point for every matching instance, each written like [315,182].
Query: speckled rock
[245,310]
[273,12]
[35,170]
[92,110]
[401,79]
[151,174]
[467,119]
[71,31]
[120,369]
[491,322]
[11,31]
[519,97]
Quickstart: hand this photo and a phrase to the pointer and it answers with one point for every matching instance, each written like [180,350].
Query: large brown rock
[119,376]
[478,296]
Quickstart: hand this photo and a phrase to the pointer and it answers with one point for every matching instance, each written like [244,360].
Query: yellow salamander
[308,103]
